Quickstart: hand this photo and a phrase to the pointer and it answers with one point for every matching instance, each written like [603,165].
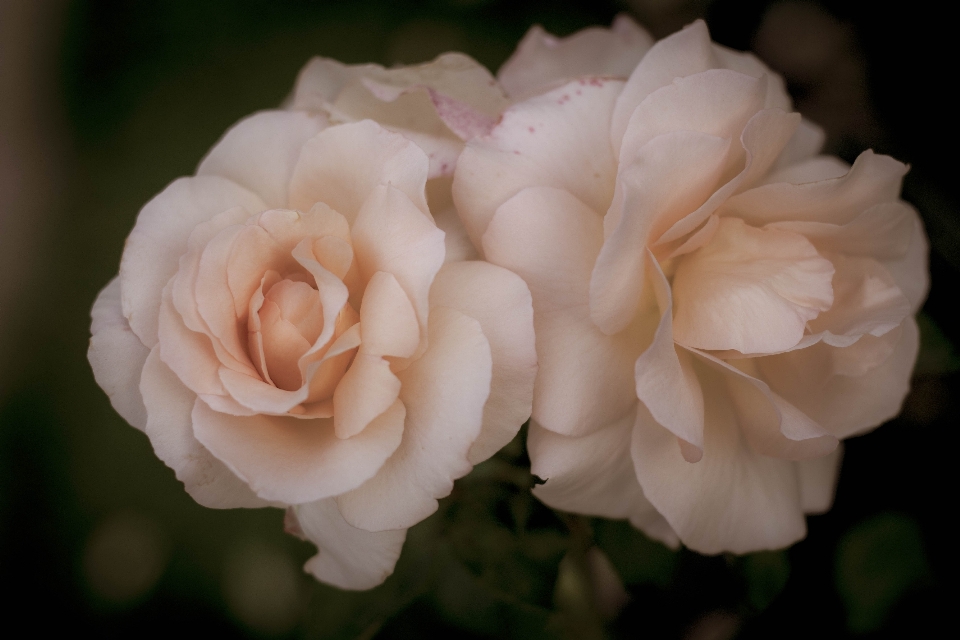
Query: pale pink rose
[286,331]
[716,305]
[438,104]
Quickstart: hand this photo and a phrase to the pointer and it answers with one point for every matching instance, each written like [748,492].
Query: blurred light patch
[263,588]
[125,557]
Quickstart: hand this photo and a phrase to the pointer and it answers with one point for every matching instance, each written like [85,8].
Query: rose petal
[535,145]
[387,320]
[717,102]
[444,391]
[296,461]
[391,235]
[749,289]
[818,481]
[806,142]
[348,558]
[367,389]
[772,426]
[865,300]
[168,405]
[911,272]
[260,151]
[342,165]
[501,303]
[160,237]
[884,232]
[551,240]
[665,380]
[847,390]
[542,61]
[671,176]
[684,53]
[872,179]
[117,356]
[732,500]
[593,475]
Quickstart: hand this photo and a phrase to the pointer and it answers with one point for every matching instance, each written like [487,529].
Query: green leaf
[877,562]
[766,574]
[637,558]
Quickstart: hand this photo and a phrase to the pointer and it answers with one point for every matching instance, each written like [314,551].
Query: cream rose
[716,305]
[286,331]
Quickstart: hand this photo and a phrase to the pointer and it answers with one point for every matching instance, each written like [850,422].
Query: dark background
[106,101]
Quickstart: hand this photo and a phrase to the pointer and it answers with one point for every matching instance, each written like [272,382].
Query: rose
[285,330]
[716,306]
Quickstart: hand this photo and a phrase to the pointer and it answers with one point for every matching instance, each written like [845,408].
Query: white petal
[169,404]
[391,235]
[342,165]
[117,356]
[555,140]
[500,301]
[806,142]
[749,289]
[848,390]
[159,238]
[367,389]
[550,239]
[296,461]
[591,475]
[684,53]
[818,481]
[388,323]
[348,558]
[671,176]
[865,300]
[260,151]
[444,391]
[542,61]
[717,102]
[665,380]
[732,500]
[872,179]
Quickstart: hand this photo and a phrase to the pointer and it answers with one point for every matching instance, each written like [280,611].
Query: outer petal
[593,475]
[818,481]
[160,237]
[718,102]
[684,53]
[772,426]
[342,165]
[501,303]
[848,390]
[543,61]
[556,140]
[550,239]
[260,151]
[387,318]
[445,391]
[348,557]
[296,461]
[117,356]
[732,500]
[872,179]
[168,405]
[912,272]
[367,389]
[883,232]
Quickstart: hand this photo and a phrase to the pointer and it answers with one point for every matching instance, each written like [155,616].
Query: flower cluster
[636,245]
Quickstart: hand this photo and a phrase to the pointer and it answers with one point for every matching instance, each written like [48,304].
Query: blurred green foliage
[877,562]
